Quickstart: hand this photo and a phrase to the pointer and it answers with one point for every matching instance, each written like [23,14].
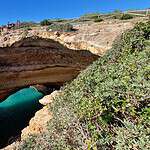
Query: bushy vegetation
[96,17]
[121,16]
[59,20]
[66,27]
[98,20]
[107,106]
[126,16]
[45,22]
[91,16]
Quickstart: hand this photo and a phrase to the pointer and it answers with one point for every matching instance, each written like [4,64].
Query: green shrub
[27,28]
[117,11]
[45,22]
[132,137]
[61,27]
[96,17]
[98,20]
[91,16]
[59,20]
[126,16]
[107,105]
[116,16]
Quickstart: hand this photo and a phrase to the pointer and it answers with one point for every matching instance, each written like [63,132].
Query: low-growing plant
[107,105]
[91,16]
[126,16]
[61,27]
[98,20]
[45,22]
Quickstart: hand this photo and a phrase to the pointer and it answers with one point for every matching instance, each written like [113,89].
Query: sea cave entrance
[33,61]
[18,109]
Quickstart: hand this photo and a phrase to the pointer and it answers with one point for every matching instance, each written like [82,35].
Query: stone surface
[40,61]
[96,37]
[49,98]
[38,123]
[12,146]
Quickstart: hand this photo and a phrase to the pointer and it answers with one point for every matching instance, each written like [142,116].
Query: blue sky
[36,10]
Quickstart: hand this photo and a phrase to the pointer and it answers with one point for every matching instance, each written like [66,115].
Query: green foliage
[98,20]
[45,22]
[96,17]
[126,16]
[91,16]
[132,137]
[107,106]
[61,27]
[27,28]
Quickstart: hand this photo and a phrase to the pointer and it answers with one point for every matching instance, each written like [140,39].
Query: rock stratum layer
[95,37]
[39,61]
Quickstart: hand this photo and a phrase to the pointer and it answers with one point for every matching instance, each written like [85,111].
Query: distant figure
[17,110]
[18,23]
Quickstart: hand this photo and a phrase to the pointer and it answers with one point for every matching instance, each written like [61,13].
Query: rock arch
[36,60]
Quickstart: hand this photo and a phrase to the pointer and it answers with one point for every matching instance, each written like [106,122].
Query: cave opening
[33,60]
[15,115]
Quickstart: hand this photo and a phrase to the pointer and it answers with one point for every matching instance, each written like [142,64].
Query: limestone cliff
[40,61]
[95,37]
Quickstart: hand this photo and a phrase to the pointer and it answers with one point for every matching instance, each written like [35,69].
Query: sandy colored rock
[38,123]
[49,98]
[40,61]
[95,37]
[13,146]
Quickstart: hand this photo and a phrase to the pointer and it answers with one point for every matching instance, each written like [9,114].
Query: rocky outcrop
[38,123]
[95,37]
[40,61]
[49,98]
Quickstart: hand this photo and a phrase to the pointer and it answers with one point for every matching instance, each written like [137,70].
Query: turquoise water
[16,111]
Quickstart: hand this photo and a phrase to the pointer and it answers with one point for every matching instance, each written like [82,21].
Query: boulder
[49,98]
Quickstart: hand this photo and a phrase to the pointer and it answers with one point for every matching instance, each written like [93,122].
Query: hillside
[107,106]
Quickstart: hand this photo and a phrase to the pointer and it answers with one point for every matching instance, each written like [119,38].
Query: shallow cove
[16,111]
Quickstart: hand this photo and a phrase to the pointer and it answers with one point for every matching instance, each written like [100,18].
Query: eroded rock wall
[95,37]
[40,61]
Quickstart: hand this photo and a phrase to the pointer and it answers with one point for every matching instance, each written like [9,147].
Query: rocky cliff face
[95,37]
[34,60]
[40,61]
